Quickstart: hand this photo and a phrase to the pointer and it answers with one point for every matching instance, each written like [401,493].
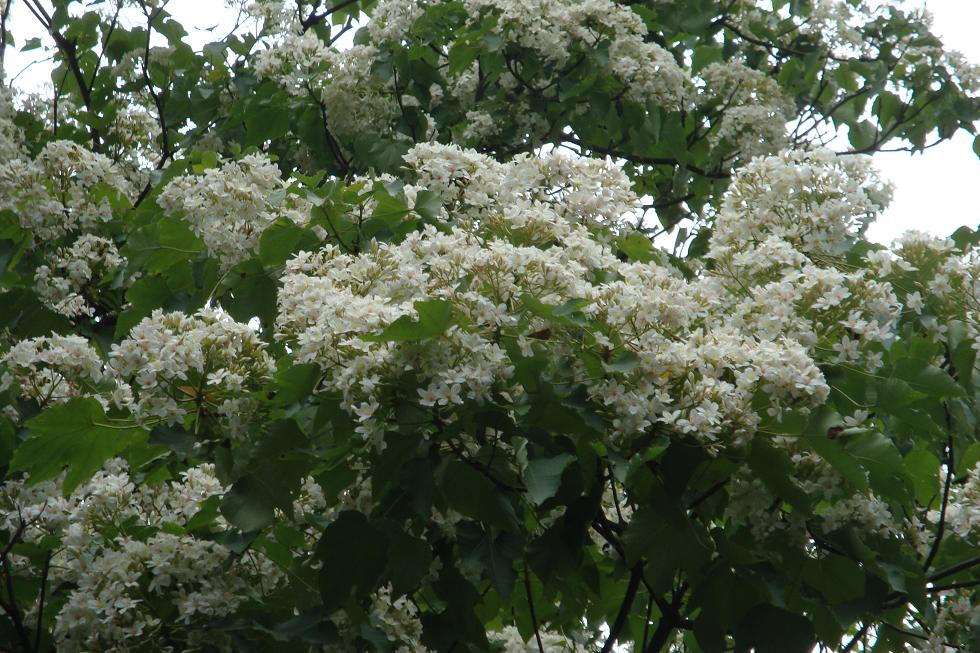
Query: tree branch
[941,528]
[857,637]
[530,604]
[648,160]
[624,608]
[955,569]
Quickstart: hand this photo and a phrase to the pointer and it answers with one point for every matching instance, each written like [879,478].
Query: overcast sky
[935,191]
[938,190]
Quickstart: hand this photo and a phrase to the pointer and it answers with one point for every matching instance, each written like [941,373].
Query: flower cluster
[398,619]
[958,614]
[66,188]
[133,144]
[299,63]
[510,640]
[838,505]
[963,511]
[10,135]
[53,369]
[945,278]
[133,576]
[757,109]
[230,206]
[342,81]
[692,367]
[205,364]
[556,30]
[545,196]
[814,199]
[69,282]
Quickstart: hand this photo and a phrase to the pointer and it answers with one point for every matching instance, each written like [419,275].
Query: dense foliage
[368,347]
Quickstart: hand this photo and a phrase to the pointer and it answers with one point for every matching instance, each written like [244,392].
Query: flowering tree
[310,347]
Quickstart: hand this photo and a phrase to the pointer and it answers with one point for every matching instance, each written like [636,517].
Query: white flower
[229,207]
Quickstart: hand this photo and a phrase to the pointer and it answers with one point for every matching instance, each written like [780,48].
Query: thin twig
[941,528]
[530,603]
[40,603]
[955,569]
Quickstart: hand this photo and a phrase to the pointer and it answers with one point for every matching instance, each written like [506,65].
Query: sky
[936,191]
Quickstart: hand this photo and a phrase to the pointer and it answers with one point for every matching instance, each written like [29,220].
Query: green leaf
[475,496]
[271,480]
[638,247]
[704,55]
[886,469]
[8,441]
[245,505]
[409,560]
[461,55]
[923,467]
[543,476]
[773,467]
[266,121]
[295,381]
[624,361]
[434,317]
[207,512]
[354,554]
[770,629]
[162,244]
[501,553]
[281,240]
[428,205]
[152,292]
[76,435]
[838,578]
[968,459]
[664,537]
[927,379]
[894,394]
[251,293]
[861,134]
[699,245]
[840,459]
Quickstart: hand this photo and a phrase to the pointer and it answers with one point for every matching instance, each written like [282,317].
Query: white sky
[935,191]
[938,190]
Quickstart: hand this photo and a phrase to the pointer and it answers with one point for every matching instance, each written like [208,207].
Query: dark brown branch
[954,586]
[105,43]
[3,33]
[854,640]
[10,606]
[662,204]
[646,623]
[332,143]
[670,620]
[165,153]
[315,18]
[773,48]
[530,605]
[941,528]
[704,496]
[648,160]
[624,608]
[69,51]
[40,604]
[955,569]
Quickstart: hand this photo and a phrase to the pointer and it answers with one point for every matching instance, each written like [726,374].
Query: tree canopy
[350,331]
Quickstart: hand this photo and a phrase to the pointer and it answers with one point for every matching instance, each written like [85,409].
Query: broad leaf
[76,435]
